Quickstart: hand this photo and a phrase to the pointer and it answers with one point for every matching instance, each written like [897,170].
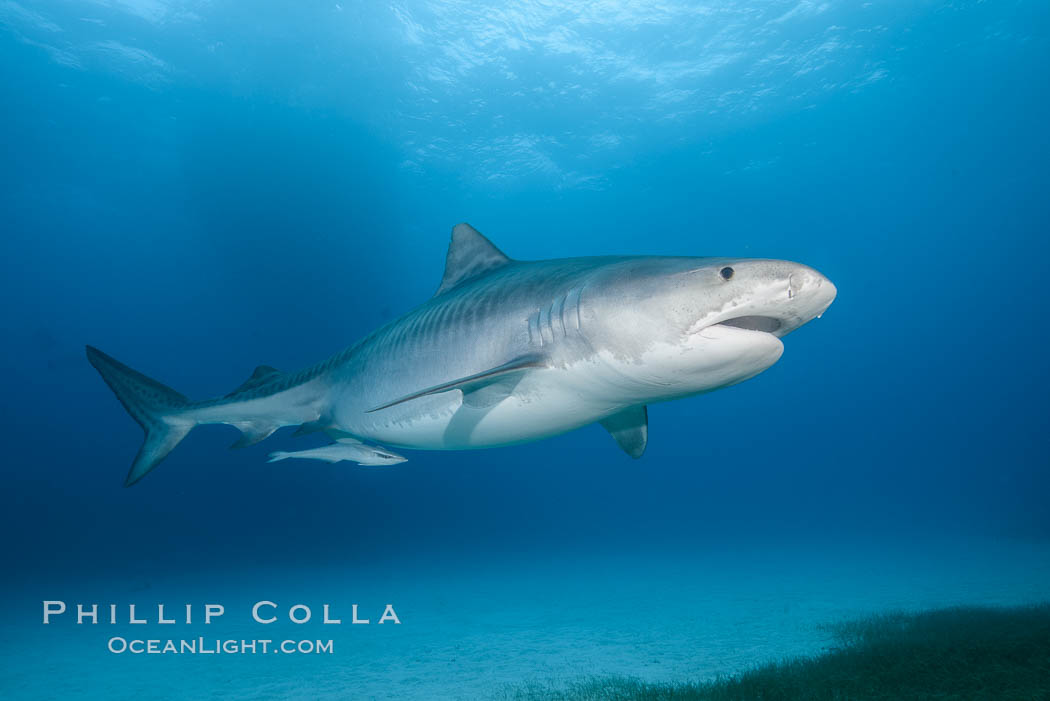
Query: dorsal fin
[470,255]
[260,376]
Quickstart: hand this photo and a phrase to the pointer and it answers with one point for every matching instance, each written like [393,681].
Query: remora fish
[343,449]
[512,351]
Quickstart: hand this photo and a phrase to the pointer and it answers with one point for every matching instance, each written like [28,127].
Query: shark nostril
[796,282]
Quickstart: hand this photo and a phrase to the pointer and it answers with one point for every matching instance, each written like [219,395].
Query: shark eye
[726,273]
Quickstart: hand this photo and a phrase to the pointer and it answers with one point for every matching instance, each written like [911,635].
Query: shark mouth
[765,324]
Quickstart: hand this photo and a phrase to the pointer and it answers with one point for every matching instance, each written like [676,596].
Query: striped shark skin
[508,352]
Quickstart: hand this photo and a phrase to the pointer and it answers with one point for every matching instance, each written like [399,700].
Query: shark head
[681,326]
[769,296]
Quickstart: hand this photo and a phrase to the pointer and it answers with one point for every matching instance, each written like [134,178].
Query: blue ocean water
[198,188]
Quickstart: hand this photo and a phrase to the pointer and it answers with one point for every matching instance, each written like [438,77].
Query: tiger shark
[506,352]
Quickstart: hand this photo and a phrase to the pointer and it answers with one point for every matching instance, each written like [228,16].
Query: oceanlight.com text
[214,646]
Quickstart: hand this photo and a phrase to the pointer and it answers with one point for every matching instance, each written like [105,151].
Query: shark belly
[541,404]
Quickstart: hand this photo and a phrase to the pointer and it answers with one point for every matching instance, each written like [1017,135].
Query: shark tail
[160,410]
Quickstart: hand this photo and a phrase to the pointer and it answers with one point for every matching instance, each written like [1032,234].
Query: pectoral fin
[630,428]
[474,382]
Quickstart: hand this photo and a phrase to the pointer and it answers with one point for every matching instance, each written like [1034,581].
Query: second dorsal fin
[261,375]
[470,255]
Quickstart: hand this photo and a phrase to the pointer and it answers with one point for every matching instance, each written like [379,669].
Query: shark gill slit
[556,309]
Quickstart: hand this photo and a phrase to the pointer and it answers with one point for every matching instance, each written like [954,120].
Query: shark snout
[809,293]
[830,292]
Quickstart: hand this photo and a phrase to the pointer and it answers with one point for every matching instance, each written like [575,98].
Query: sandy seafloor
[474,630]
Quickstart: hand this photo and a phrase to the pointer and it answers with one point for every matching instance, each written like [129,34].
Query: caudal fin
[156,407]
